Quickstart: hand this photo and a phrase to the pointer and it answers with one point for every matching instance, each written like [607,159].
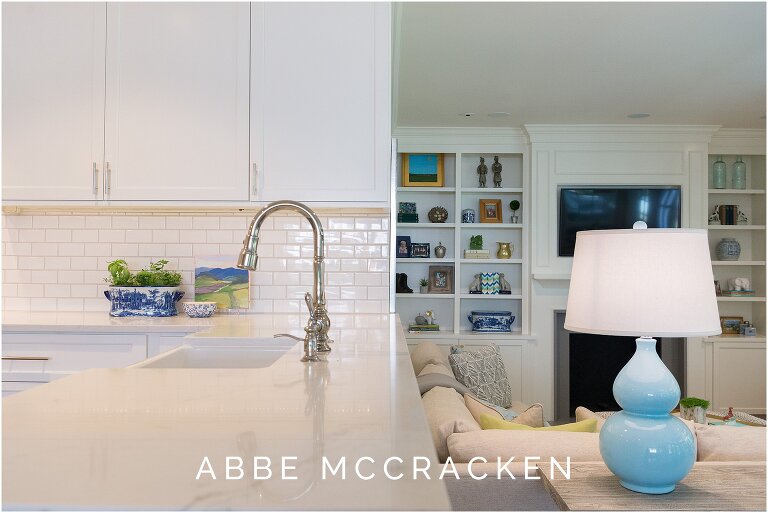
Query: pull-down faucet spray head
[249,257]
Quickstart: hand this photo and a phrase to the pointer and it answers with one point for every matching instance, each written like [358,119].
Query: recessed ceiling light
[499,114]
[639,115]
[467,114]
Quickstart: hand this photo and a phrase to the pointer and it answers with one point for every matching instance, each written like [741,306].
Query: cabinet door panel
[53,100]
[320,101]
[739,376]
[177,101]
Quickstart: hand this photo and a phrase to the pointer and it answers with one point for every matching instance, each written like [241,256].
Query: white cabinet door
[320,101]
[53,100]
[738,378]
[177,101]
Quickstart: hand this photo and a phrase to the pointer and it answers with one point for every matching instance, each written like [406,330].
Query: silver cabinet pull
[95,179]
[108,171]
[255,179]
[26,358]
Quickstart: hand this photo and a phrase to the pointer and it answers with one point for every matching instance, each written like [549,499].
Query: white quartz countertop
[94,322]
[136,438]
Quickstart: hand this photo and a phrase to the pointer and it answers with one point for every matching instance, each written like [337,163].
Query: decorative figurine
[742,218]
[430,316]
[714,218]
[728,416]
[739,284]
[514,205]
[505,286]
[496,168]
[420,320]
[440,250]
[482,171]
[474,287]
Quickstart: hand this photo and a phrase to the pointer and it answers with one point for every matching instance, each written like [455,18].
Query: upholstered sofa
[452,413]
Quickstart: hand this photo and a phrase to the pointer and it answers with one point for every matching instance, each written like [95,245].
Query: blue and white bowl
[491,321]
[199,308]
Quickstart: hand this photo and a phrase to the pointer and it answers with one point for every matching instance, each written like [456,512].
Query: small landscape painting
[218,279]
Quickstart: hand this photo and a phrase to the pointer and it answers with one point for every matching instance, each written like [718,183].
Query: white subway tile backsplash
[72,222]
[59,261]
[98,222]
[205,223]
[152,222]
[45,222]
[125,222]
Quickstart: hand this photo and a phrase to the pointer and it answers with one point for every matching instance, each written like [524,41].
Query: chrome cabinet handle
[20,358]
[255,178]
[108,170]
[95,179]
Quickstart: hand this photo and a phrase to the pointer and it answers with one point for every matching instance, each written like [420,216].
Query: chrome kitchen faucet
[316,341]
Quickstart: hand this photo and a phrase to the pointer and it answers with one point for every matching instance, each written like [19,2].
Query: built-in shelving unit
[461,192]
[751,237]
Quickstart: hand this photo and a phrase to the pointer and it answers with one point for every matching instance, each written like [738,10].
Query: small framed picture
[440,279]
[403,247]
[731,324]
[490,210]
[718,290]
[420,250]
[423,170]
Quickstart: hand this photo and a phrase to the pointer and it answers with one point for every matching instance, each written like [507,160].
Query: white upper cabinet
[53,101]
[320,101]
[177,101]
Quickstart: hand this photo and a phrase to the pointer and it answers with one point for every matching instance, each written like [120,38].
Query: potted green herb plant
[150,292]
[695,409]
[423,286]
[476,248]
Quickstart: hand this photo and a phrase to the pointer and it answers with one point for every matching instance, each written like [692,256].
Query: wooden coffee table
[709,487]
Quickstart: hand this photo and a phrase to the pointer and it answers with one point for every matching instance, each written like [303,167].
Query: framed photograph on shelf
[718,290]
[423,170]
[403,249]
[731,324]
[420,250]
[440,279]
[490,210]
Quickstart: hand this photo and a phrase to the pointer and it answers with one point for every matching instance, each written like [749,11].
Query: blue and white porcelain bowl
[199,308]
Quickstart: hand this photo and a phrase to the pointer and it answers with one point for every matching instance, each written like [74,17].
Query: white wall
[56,260]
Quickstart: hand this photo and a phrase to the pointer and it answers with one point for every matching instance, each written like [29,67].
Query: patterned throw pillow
[483,372]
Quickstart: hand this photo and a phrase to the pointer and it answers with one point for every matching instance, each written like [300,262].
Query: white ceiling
[683,63]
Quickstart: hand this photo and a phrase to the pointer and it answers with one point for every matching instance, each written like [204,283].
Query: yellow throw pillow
[532,415]
[585,426]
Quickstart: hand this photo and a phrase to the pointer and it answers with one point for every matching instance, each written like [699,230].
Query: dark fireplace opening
[594,362]
[587,365]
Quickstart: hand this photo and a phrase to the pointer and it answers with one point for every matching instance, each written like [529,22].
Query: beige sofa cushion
[583,413]
[493,443]
[433,368]
[730,443]
[446,414]
[532,415]
[427,352]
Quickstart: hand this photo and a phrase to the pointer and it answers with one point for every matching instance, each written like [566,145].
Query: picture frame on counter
[440,279]
[490,211]
[423,170]
[420,250]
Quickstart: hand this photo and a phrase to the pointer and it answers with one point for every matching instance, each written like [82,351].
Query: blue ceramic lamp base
[648,449]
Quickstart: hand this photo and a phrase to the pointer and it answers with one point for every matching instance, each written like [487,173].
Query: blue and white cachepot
[491,322]
[143,301]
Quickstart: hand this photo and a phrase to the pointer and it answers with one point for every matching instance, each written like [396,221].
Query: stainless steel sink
[257,353]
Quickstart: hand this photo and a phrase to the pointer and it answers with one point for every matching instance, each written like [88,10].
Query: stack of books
[407,218]
[729,214]
[477,253]
[417,328]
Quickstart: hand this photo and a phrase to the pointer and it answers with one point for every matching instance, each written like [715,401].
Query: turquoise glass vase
[718,173]
[739,174]
[648,449]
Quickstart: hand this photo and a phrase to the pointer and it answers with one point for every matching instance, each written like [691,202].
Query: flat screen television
[610,208]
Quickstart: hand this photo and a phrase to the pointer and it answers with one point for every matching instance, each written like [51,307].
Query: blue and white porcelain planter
[491,322]
[143,301]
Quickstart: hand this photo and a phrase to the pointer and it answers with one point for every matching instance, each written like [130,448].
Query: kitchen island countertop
[137,438]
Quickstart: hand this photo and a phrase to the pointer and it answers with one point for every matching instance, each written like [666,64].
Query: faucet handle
[310,306]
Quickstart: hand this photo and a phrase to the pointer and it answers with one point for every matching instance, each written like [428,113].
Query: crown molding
[738,141]
[450,139]
[620,133]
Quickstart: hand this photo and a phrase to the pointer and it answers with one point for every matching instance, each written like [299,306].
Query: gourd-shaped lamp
[647,283]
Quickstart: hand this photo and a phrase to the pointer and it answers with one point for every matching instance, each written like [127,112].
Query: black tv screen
[610,208]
